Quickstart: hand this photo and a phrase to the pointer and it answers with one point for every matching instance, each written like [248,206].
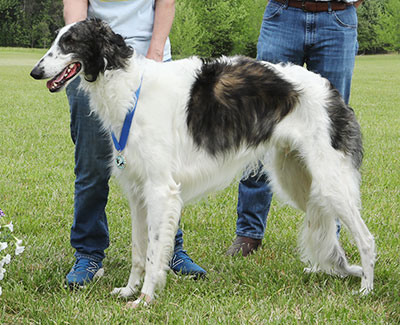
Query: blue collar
[123,139]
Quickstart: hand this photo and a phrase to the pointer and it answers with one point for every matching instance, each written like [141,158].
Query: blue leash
[123,139]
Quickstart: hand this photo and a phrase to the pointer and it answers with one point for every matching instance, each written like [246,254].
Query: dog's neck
[112,94]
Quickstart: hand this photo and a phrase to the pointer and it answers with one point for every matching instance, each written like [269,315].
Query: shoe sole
[194,277]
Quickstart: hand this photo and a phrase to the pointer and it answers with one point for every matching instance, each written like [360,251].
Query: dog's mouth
[68,73]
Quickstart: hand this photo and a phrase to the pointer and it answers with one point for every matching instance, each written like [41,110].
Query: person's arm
[163,18]
[75,10]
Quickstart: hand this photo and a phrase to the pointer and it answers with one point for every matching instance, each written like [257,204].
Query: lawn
[36,190]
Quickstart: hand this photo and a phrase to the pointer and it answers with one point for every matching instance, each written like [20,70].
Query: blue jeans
[326,42]
[93,150]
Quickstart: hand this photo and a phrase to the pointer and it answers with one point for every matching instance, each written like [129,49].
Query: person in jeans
[145,25]
[323,36]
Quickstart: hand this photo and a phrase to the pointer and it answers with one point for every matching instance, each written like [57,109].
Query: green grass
[36,189]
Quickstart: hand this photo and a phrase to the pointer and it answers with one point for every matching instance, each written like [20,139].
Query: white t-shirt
[133,19]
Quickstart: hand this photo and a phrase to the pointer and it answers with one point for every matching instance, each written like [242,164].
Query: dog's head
[88,47]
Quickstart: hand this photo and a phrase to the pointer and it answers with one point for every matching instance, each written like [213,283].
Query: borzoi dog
[199,124]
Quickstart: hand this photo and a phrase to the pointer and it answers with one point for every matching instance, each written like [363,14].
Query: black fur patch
[95,45]
[237,103]
[345,131]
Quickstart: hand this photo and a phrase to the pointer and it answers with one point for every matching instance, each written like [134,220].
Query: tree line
[208,28]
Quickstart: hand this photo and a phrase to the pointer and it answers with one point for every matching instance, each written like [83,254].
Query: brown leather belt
[314,6]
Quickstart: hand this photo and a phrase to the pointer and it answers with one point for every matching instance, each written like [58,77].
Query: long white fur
[165,170]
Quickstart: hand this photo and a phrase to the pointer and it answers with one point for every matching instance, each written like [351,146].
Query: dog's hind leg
[164,210]
[291,177]
[334,193]
[297,184]
[366,246]
[139,248]
[319,244]
[351,217]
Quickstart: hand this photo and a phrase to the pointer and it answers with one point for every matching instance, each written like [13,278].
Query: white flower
[19,249]
[1,291]
[9,226]
[3,245]
[2,271]
[5,260]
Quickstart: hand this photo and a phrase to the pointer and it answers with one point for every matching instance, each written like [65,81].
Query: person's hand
[155,55]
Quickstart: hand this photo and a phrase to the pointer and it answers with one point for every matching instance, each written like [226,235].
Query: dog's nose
[37,73]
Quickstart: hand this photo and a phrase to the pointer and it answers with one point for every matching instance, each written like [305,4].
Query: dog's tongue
[56,79]
[49,84]
[61,75]
[66,73]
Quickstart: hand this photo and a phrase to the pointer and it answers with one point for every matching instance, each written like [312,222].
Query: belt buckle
[303,5]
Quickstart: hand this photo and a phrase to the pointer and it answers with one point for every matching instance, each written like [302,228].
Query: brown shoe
[245,244]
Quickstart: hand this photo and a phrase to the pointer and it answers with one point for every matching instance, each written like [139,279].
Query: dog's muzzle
[37,73]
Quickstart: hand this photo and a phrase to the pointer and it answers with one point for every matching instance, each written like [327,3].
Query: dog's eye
[68,39]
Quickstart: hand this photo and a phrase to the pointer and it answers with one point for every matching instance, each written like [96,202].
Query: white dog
[198,125]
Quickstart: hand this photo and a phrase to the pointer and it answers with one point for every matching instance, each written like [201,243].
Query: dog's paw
[310,270]
[366,287]
[144,300]
[124,292]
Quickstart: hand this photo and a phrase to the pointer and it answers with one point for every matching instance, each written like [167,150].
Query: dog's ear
[115,51]
[98,47]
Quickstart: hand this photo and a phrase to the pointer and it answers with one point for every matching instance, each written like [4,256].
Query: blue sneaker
[83,272]
[182,264]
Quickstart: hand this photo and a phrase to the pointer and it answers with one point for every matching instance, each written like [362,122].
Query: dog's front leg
[164,209]
[139,248]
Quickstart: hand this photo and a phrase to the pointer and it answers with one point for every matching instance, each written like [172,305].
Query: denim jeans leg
[333,54]
[89,232]
[282,35]
[254,201]
[178,241]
